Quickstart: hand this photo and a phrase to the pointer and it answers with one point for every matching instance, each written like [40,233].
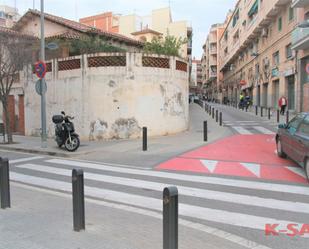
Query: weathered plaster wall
[113,102]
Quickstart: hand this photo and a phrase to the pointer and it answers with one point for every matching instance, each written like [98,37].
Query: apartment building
[8,16]
[158,23]
[107,22]
[256,55]
[210,62]
[300,44]
[196,81]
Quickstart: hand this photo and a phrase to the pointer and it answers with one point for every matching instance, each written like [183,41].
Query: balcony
[299,3]
[300,38]
[212,75]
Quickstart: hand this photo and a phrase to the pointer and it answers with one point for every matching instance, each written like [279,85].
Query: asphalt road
[239,205]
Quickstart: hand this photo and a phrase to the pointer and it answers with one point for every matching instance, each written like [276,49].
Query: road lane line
[242,130]
[188,191]
[219,216]
[298,171]
[276,187]
[26,159]
[264,130]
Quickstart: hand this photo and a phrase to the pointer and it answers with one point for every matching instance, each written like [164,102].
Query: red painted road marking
[241,148]
[239,155]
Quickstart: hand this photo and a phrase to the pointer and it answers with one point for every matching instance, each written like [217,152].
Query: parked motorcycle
[65,132]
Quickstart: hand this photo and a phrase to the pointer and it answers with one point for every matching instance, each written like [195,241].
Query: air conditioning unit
[264,32]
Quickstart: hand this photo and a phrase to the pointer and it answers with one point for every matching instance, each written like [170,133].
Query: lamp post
[43,99]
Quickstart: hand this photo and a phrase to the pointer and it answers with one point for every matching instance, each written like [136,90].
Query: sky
[200,14]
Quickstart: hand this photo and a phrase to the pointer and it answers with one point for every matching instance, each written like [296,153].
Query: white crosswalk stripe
[195,192]
[242,130]
[136,191]
[280,188]
[264,130]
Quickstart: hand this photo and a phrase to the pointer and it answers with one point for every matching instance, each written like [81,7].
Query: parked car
[292,140]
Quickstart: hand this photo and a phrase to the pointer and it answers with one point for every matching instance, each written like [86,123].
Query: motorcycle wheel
[72,146]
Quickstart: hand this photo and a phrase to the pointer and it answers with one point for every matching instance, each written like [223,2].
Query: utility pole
[43,100]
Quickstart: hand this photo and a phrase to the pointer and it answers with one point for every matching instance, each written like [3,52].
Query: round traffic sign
[40,69]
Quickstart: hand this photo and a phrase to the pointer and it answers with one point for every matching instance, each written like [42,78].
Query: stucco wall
[113,102]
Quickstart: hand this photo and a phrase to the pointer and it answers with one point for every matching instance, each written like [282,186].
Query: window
[294,123]
[276,58]
[288,51]
[235,18]
[304,127]
[254,9]
[280,24]
[291,14]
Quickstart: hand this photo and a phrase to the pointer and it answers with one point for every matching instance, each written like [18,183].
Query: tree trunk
[7,121]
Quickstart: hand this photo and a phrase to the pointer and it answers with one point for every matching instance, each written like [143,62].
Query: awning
[254,9]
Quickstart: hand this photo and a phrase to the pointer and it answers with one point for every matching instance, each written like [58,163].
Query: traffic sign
[40,87]
[40,69]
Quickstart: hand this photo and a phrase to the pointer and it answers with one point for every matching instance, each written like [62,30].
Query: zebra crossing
[201,197]
[251,127]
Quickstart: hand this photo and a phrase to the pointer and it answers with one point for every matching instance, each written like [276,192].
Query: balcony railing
[300,38]
[213,74]
[299,3]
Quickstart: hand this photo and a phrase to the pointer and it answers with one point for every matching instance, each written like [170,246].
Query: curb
[40,152]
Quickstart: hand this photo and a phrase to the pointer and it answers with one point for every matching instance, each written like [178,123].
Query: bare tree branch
[15,54]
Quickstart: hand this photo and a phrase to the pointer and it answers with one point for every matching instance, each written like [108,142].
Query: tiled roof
[15,33]
[77,27]
[146,31]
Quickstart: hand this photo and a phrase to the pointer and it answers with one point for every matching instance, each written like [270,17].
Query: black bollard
[170,218]
[278,116]
[261,111]
[5,183]
[217,117]
[145,139]
[205,131]
[268,113]
[256,110]
[209,110]
[78,200]
[287,117]
[220,119]
[213,113]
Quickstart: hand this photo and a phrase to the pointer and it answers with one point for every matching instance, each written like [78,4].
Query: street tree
[169,45]
[16,52]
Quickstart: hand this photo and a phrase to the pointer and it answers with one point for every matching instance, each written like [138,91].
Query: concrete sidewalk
[130,151]
[40,219]
[264,117]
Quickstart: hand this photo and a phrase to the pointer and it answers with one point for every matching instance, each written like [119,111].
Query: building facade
[300,44]
[210,62]
[256,55]
[106,22]
[158,22]
[8,16]
[196,80]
